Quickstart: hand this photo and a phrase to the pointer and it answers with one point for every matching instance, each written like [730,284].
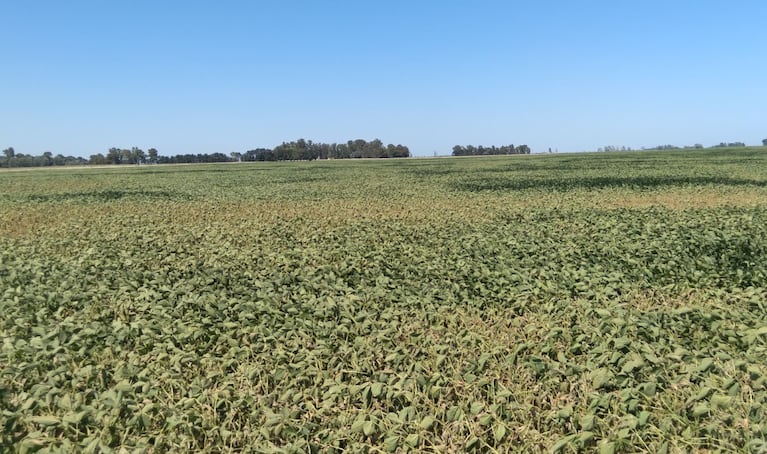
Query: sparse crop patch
[643,183]
[369,306]
[104,196]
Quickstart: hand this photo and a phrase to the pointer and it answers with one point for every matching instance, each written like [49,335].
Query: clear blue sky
[79,77]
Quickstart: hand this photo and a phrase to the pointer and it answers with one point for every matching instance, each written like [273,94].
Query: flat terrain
[609,302]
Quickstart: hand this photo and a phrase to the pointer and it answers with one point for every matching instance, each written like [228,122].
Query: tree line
[671,147]
[306,150]
[471,150]
[12,159]
[133,155]
[297,150]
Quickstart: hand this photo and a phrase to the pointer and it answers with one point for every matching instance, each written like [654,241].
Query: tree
[764,142]
[137,155]
[373,149]
[397,151]
[355,147]
[307,150]
[730,145]
[259,154]
[98,159]
[9,154]
[471,150]
[126,156]
[152,153]
[114,155]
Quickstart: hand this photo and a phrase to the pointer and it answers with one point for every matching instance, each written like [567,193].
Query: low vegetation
[606,302]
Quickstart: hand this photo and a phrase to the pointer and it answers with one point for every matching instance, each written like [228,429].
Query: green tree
[398,151]
[137,156]
[98,159]
[152,154]
[125,156]
[9,154]
[373,149]
[764,142]
[356,147]
[114,156]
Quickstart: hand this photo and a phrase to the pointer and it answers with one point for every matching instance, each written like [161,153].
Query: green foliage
[529,303]
[471,150]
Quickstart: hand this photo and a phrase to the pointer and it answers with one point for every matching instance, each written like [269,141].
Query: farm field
[608,302]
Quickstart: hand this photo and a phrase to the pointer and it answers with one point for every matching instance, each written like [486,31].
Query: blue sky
[79,77]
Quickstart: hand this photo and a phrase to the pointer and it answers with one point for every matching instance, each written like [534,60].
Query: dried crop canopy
[535,303]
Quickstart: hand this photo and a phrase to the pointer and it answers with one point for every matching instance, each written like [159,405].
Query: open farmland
[609,302]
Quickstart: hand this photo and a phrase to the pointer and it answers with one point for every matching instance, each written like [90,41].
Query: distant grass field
[612,302]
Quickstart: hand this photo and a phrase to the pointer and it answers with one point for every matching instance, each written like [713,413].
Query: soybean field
[604,302]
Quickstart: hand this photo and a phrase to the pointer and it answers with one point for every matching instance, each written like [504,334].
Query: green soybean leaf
[48,420]
[701,409]
[369,428]
[499,432]
[427,423]
[601,378]
[562,443]
[391,443]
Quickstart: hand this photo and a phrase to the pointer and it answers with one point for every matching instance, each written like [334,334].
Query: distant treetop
[471,150]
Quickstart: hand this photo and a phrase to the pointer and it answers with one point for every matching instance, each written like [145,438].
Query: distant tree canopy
[471,150]
[297,150]
[729,145]
[199,158]
[697,146]
[306,150]
[665,147]
[13,159]
[610,148]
